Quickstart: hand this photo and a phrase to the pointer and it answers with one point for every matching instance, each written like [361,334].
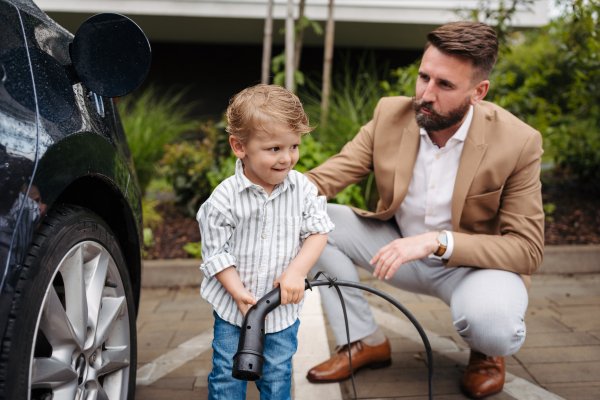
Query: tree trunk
[300,36]
[267,44]
[289,47]
[328,58]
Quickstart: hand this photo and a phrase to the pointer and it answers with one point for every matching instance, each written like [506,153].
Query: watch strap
[441,248]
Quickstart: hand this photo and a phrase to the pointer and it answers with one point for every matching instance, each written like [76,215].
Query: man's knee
[495,334]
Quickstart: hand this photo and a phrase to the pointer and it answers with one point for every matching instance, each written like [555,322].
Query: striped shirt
[258,234]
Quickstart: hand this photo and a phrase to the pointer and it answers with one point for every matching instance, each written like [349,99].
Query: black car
[70,207]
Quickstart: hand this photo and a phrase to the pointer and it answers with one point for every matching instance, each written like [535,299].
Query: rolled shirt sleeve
[314,214]
[216,230]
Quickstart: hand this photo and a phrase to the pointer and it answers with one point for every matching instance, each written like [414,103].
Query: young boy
[262,228]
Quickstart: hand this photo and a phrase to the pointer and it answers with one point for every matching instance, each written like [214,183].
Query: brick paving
[561,352]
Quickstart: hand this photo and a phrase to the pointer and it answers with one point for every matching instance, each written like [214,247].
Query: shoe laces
[358,344]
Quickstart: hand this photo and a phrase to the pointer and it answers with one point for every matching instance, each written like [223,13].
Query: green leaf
[279,79]
[148,238]
[317,28]
[278,63]
[299,78]
[549,208]
[194,249]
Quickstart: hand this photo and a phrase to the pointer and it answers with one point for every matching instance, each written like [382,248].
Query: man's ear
[237,146]
[479,91]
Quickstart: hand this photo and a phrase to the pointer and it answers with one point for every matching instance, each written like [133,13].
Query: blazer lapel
[472,154]
[407,156]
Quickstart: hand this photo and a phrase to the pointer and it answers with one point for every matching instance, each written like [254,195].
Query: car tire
[72,325]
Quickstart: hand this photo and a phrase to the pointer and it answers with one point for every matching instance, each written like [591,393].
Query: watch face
[443,239]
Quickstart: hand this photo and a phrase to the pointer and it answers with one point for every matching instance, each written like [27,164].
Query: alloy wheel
[82,346]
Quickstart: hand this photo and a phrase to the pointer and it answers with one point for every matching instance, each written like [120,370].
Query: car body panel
[64,144]
[18,152]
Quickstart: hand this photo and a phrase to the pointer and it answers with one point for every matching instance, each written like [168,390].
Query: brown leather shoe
[337,368]
[484,375]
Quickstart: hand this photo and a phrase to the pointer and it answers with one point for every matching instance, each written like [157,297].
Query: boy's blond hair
[262,106]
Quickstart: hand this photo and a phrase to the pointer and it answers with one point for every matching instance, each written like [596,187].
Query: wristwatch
[443,242]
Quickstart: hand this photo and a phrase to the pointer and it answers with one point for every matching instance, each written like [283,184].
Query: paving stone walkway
[561,353]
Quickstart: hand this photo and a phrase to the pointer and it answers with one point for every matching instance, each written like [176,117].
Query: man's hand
[389,258]
[292,286]
[244,300]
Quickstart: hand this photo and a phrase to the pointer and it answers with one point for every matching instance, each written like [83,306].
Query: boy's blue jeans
[276,381]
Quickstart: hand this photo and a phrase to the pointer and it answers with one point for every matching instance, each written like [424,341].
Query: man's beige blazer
[497,214]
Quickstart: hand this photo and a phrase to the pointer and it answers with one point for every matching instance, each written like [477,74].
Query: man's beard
[435,121]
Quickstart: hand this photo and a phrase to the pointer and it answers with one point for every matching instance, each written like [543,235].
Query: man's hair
[472,40]
[262,106]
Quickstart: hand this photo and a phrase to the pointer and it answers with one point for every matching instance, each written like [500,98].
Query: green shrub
[218,173]
[577,148]
[151,120]
[148,238]
[195,168]
[550,79]
[549,210]
[194,249]
[402,81]
[185,165]
[152,218]
[313,154]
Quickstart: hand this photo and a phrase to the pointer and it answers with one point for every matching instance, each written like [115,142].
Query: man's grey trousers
[488,306]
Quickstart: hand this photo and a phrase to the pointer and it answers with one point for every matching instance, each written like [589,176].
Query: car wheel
[72,331]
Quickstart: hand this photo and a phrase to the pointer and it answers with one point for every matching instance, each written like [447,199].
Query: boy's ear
[236,146]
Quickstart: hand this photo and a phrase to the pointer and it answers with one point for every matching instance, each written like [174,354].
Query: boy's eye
[294,147]
[274,149]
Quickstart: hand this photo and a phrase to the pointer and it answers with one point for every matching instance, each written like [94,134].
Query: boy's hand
[292,286]
[244,300]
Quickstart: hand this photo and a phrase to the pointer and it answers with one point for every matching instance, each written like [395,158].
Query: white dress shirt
[260,235]
[427,206]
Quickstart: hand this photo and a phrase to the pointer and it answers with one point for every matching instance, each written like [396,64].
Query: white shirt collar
[461,133]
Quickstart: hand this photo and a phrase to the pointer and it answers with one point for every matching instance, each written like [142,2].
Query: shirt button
[264,235]
[432,186]
[260,270]
[259,189]
[437,156]
[429,213]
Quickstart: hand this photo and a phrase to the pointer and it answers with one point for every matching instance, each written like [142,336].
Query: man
[460,213]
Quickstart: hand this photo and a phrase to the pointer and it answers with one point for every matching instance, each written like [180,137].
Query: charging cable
[249,359]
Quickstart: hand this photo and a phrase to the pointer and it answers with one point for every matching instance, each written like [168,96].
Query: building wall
[359,23]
